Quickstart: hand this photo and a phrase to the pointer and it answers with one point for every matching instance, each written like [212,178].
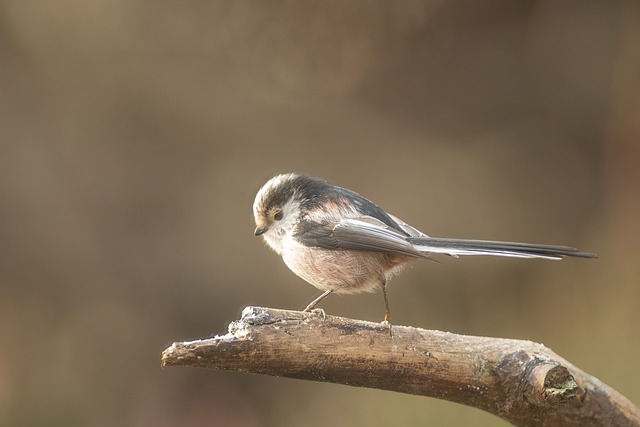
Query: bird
[342,243]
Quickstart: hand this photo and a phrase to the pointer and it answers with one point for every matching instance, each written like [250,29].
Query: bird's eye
[277,215]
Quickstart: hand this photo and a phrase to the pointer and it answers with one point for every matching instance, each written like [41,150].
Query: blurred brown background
[134,135]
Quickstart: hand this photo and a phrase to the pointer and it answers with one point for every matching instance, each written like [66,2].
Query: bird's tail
[457,247]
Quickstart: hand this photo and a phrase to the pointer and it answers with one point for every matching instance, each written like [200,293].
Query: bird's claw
[318,311]
[386,323]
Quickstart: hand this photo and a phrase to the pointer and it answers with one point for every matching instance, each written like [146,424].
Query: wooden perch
[520,381]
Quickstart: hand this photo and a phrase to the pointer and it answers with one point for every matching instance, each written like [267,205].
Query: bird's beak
[259,231]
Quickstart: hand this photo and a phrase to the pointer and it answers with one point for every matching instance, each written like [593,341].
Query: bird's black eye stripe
[277,215]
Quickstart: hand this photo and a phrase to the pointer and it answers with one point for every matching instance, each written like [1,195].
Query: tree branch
[520,381]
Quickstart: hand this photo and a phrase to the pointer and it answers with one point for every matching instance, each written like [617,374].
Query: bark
[520,381]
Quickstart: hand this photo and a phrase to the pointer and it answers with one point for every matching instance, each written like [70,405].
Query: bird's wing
[370,234]
[361,233]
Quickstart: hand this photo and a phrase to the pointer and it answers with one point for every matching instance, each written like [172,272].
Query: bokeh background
[135,134]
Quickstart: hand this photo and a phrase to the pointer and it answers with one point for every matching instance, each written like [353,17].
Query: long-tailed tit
[341,242]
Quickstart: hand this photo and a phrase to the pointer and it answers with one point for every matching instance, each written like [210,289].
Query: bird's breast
[342,271]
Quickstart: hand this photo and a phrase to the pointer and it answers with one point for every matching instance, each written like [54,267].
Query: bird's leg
[387,313]
[313,303]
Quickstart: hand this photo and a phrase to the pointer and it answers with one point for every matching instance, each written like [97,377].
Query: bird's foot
[317,311]
[386,323]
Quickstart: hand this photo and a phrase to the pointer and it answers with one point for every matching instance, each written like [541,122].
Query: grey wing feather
[362,234]
[370,234]
[411,231]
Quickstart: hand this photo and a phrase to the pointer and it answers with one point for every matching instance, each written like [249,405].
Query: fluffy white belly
[341,271]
